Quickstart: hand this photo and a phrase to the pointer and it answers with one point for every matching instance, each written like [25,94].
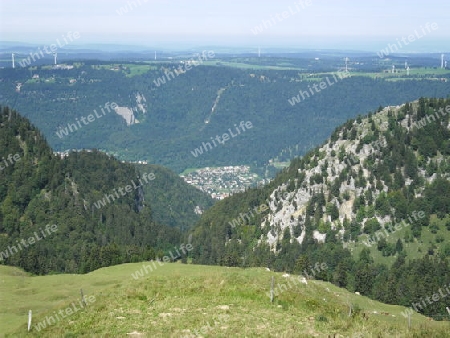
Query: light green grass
[134,69]
[254,66]
[175,300]
[417,249]
[138,69]
[414,74]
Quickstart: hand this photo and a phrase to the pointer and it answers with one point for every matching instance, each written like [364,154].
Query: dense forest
[39,189]
[172,200]
[178,115]
[409,173]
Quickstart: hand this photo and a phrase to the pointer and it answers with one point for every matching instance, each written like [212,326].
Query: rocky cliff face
[337,174]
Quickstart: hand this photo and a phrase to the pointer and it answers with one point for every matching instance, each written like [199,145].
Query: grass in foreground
[177,300]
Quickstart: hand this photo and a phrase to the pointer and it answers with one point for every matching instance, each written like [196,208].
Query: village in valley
[221,182]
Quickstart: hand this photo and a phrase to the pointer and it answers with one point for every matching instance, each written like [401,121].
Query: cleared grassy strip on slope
[176,300]
[437,239]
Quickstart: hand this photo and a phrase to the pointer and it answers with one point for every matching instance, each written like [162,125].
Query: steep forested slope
[174,202]
[84,210]
[373,202]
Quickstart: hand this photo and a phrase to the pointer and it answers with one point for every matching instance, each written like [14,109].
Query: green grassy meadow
[178,300]
[414,250]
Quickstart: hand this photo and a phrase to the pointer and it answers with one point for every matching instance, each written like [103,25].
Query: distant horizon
[363,45]
[295,24]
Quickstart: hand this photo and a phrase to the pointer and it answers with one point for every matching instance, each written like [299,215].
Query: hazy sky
[322,24]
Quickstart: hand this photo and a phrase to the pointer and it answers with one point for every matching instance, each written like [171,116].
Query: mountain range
[372,202]
[163,122]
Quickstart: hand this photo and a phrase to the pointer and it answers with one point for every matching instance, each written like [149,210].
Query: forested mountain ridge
[176,117]
[85,210]
[173,202]
[373,202]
